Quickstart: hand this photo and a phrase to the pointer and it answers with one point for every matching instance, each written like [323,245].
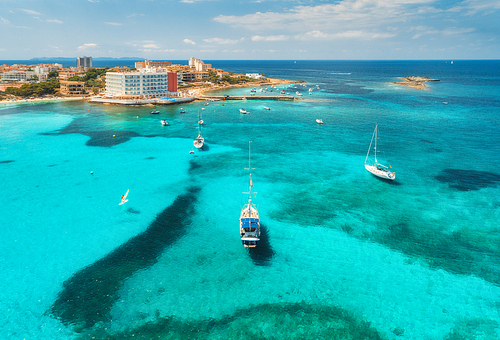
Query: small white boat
[267,108]
[199,141]
[155,112]
[124,198]
[319,121]
[378,169]
[298,93]
[164,122]
[182,110]
[244,111]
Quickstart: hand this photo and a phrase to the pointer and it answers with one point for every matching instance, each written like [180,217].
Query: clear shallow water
[345,254]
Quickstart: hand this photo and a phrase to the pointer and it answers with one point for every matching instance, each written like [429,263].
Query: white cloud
[85,46]
[151,46]
[314,35]
[4,21]
[222,41]
[330,18]
[93,1]
[55,21]
[422,30]
[349,34]
[187,41]
[487,6]
[113,23]
[28,11]
[270,38]
[455,30]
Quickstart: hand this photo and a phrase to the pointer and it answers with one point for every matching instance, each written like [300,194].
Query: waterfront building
[142,83]
[84,62]
[255,76]
[72,87]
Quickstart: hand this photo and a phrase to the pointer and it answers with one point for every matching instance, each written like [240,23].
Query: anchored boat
[249,216]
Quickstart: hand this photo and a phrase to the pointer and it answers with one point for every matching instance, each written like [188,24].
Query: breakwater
[245,98]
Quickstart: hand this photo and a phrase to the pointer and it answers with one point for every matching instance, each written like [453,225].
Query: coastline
[414,82]
[198,93]
[202,92]
[40,100]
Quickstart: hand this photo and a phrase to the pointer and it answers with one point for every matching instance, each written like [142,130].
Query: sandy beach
[201,91]
[40,100]
[414,82]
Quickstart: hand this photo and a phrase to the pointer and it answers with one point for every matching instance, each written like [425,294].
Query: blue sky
[245,30]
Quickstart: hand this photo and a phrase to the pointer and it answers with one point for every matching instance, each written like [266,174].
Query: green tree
[53,74]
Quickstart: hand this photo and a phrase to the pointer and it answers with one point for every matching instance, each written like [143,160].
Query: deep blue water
[344,254]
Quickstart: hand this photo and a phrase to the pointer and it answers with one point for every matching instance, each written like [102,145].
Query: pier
[222,98]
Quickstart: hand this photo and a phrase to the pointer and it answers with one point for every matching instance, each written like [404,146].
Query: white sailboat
[124,198]
[249,216]
[378,169]
[199,141]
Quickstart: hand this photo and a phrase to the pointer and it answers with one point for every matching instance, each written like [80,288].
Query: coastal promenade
[155,101]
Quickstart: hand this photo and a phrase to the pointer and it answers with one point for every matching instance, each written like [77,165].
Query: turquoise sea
[344,255]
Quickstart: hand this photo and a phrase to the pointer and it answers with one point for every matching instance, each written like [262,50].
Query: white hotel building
[144,83]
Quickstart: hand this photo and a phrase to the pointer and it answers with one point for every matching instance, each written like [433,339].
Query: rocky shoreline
[414,82]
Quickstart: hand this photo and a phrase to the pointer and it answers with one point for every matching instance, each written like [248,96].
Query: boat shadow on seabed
[262,254]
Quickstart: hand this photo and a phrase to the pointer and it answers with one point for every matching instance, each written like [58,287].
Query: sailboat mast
[249,176]
[199,128]
[376,136]
[370,147]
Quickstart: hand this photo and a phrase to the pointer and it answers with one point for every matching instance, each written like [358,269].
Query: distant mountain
[96,58]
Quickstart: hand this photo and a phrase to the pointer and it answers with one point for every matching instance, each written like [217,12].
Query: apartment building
[72,87]
[199,65]
[14,76]
[65,75]
[148,64]
[145,83]
[84,62]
